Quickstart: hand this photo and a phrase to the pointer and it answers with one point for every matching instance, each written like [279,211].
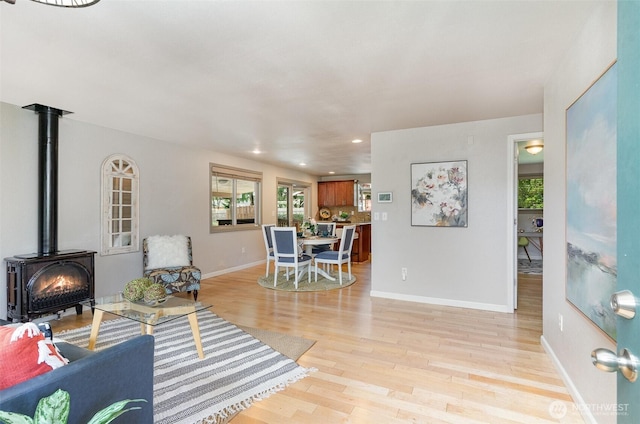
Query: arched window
[120,177]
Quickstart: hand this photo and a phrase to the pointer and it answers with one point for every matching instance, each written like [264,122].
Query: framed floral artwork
[439,194]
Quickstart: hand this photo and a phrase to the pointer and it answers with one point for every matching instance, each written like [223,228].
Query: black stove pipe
[47,177]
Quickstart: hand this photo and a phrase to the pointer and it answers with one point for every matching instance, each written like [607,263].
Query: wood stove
[50,280]
[41,285]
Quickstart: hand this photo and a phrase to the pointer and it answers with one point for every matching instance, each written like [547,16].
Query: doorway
[292,204]
[526,185]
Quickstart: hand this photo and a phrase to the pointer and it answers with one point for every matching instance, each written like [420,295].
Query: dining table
[309,242]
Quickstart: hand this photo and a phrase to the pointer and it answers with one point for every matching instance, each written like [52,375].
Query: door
[625,360]
[628,187]
[515,223]
[284,205]
[292,208]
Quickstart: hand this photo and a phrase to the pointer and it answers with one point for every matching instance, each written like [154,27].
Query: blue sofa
[94,381]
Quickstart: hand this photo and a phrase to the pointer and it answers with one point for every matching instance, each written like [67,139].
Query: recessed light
[303,164]
[256,151]
[356,141]
[332,172]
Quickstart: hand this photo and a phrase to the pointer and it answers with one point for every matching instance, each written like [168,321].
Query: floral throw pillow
[25,353]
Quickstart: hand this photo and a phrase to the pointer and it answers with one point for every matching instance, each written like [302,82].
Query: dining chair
[340,256]
[330,229]
[287,255]
[268,244]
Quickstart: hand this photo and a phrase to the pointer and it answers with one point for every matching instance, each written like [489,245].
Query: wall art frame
[439,194]
[591,201]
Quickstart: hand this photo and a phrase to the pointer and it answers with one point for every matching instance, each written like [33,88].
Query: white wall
[174,187]
[453,266]
[591,54]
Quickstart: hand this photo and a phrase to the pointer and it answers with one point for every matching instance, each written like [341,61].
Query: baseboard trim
[229,270]
[573,390]
[442,302]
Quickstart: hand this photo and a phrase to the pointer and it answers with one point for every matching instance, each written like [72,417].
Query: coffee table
[148,316]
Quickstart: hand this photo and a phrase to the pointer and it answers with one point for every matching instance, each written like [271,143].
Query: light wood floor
[389,361]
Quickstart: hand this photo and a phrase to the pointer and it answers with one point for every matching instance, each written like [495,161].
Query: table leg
[195,329]
[537,244]
[146,329]
[309,251]
[95,328]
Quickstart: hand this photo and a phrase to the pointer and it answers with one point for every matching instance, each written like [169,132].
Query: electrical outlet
[404,274]
[560,322]
[244,250]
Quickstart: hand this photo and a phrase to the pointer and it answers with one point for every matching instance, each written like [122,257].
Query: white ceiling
[297,80]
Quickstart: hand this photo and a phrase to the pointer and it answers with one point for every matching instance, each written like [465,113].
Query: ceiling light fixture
[356,141]
[534,147]
[62,3]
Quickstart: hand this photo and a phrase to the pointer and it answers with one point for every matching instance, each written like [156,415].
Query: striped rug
[237,369]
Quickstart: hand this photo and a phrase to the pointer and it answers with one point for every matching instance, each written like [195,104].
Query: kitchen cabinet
[336,193]
[326,194]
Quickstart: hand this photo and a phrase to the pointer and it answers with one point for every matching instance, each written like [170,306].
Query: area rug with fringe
[237,370]
[533,266]
[322,284]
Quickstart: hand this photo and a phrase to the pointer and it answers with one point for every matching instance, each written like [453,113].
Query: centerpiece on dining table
[309,227]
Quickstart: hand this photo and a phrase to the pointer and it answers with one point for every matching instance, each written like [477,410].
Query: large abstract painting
[439,194]
[591,201]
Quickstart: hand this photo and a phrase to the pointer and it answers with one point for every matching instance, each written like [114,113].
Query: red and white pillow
[25,353]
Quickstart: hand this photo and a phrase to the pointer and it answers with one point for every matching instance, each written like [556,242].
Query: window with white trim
[120,225]
[235,198]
